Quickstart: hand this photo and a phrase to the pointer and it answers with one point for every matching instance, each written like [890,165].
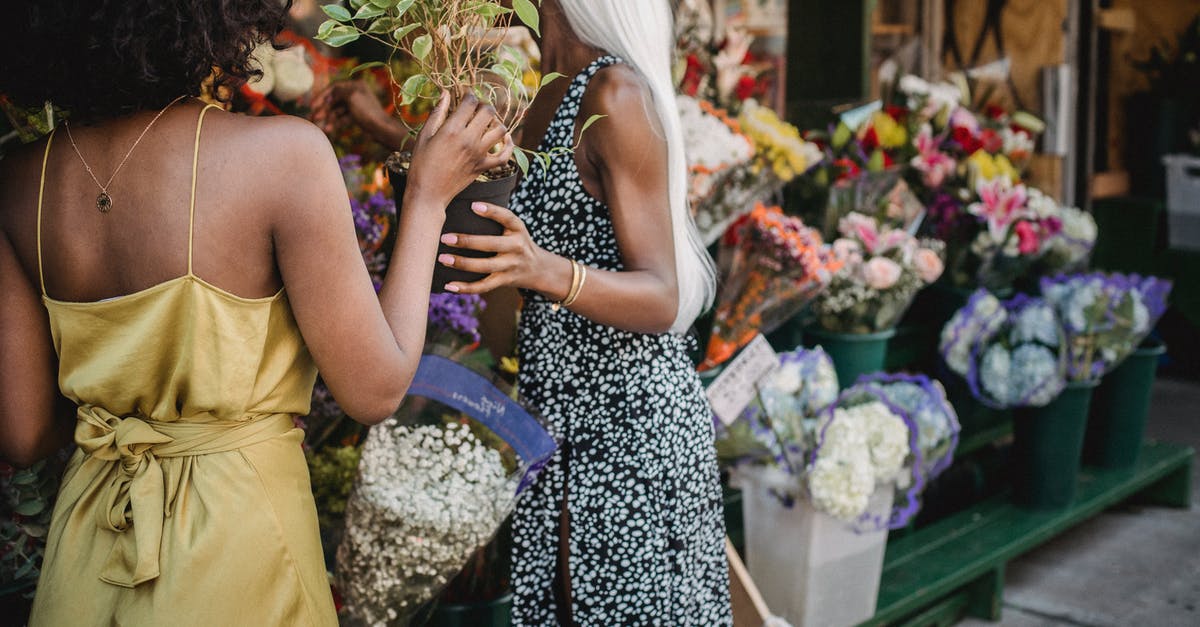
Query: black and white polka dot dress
[647,530]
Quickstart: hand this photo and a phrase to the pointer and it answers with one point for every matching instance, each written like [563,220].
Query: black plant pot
[459,219]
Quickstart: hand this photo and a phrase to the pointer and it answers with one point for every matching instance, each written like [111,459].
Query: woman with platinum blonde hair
[625,526]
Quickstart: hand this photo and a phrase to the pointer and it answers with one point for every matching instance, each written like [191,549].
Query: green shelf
[955,567]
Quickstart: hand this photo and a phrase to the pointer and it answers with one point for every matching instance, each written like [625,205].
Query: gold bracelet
[579,289]
[573,291]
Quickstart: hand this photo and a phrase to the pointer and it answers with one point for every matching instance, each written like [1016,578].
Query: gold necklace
[103,199]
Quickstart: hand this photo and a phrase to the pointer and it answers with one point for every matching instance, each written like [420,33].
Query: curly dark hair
[104,58]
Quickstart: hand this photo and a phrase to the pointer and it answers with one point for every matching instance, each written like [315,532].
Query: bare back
[242,165]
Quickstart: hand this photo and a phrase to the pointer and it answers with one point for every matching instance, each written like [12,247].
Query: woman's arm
[30,427]
[628,154]
[367,347]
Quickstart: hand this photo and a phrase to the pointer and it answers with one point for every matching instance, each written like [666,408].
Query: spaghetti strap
[192,203]
[41,194]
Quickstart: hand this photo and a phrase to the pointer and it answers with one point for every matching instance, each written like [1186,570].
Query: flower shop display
[1106,317]
[721,185]
[1013,355]
[776,266]
[882,270]
[815,539]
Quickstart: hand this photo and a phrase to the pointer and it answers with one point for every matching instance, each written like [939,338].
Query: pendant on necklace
[104,202]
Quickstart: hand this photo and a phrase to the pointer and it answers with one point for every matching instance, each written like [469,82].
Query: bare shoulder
[630,123]
[617,90]
[284,160]
[282,138]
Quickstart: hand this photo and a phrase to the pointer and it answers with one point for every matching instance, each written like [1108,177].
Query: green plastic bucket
[853,354]
[1047,446]
[1117,424]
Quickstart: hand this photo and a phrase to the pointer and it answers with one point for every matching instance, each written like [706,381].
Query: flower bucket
[812,569]
[1118,419]
[1047,446]
[459,219]
[497,613]
[852,354]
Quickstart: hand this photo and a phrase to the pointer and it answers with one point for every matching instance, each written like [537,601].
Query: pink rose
[928,264]
[843,248]
[881,273]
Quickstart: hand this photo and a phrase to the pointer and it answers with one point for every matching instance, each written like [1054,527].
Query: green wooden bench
[955,567]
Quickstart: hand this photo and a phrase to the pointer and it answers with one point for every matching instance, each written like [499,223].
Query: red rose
[995,111]
[965,138]
[870,140]
[897,112]
[991,141]
[745,87]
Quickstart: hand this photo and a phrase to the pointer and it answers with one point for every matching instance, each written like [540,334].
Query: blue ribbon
[465,390]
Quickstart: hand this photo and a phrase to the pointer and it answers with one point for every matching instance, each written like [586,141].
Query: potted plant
[453,46]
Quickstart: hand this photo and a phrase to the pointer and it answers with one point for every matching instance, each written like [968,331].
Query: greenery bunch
[447,39]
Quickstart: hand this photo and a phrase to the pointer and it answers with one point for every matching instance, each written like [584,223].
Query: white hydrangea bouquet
[435,483]
[1011,353]
[861,447]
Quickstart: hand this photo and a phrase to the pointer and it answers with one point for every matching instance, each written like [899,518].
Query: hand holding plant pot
[446,39]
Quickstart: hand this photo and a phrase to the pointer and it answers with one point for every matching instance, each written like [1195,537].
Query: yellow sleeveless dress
[188,501]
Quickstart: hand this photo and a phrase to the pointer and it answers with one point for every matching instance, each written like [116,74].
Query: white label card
[736,386]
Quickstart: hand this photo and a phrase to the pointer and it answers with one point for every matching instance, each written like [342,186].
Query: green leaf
[841,136]
[30,508]
[403,6]
[421,46]
[528,14]
[368,11]
[340,36]
[404,31]
[354,4]
[877,163]
[412,87]
[550,78]
[336,11]
[382,25]
[326,26]
[366,66]
[383,4]
[522,160]
[590,121]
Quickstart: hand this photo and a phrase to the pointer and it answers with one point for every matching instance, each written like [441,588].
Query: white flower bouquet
[435,483]
[1011,354]
[883,268]
[924,401]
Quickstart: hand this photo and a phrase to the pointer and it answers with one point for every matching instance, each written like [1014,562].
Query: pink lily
[936,165]
[1000,204]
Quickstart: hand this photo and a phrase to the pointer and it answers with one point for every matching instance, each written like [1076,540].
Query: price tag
[736,386]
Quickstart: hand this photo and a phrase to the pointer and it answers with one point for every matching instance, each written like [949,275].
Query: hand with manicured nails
[518,261]
[453,149]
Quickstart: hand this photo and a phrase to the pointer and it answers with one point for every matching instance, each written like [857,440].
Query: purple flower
[456,314]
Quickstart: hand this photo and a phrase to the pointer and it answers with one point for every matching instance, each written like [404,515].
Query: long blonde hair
[641,33]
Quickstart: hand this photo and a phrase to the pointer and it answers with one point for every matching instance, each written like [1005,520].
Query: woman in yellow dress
[177,275]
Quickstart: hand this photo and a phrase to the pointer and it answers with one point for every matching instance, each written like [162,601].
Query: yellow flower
[509,365]
[891,133]
[778,144]
[985,167]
